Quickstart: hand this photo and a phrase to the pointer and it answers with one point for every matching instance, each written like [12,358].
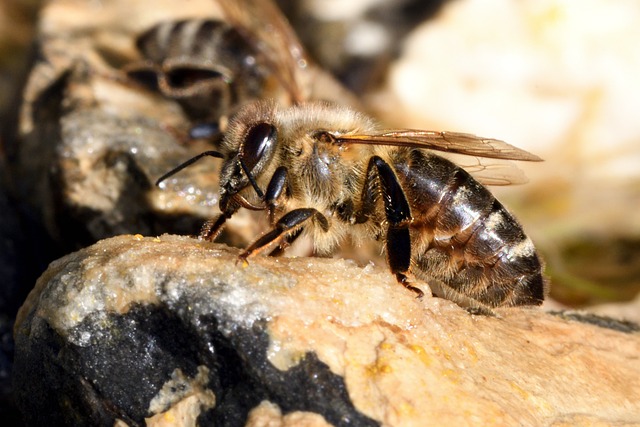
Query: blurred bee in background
[212,67]
[207,66]
[330,172]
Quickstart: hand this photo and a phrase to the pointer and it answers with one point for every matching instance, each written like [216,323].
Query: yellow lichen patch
[440,352]
[422,354]
[450,374]
[385,346]
[336,301]
[378,368]
[471,351]
[406,409]
[521,392]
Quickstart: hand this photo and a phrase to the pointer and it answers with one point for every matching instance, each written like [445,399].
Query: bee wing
[262,23]
[490,171]
[484,158]
[449,142]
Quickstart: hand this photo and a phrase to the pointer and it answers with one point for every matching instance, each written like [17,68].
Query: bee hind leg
[288,225]
[399,257]
[398,215]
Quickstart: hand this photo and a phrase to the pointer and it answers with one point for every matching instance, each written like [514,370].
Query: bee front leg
[398,215]
[275,192]
[289,224]
[212,228]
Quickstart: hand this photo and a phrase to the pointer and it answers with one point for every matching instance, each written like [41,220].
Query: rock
[24,252]
[172,329]
[87,144]
[627,311]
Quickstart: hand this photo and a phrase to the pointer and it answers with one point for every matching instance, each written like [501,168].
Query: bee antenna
[189,163]
[252,180]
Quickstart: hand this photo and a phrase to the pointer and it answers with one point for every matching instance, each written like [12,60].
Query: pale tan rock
[405,362]
[181,399]
[183,413]
[268,414]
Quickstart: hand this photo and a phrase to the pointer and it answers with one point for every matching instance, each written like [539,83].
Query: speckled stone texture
[173,330]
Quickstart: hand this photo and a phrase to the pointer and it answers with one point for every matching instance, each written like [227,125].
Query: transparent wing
[450,142]
[262,23]
[489,171]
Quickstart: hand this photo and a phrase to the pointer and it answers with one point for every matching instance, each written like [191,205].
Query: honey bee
[330,172]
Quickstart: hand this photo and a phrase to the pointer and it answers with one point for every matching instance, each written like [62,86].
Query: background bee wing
[449,142]
[262,23]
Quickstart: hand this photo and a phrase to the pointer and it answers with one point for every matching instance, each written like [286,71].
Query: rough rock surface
[173,330]
[87,144]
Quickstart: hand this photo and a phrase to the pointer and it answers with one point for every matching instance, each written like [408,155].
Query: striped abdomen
[204,64]
[465,244]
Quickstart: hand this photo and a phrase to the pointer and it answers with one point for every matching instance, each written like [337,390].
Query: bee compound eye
[259,141]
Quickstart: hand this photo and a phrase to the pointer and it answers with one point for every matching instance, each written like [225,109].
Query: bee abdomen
[500,264]
[184,38]
[476,247]
[206,65]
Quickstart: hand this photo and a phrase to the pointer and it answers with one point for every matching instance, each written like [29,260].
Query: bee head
[245,165]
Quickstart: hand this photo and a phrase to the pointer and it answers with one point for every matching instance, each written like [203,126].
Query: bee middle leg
[288,225]
[398,215]
[276,191]
[286,242]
